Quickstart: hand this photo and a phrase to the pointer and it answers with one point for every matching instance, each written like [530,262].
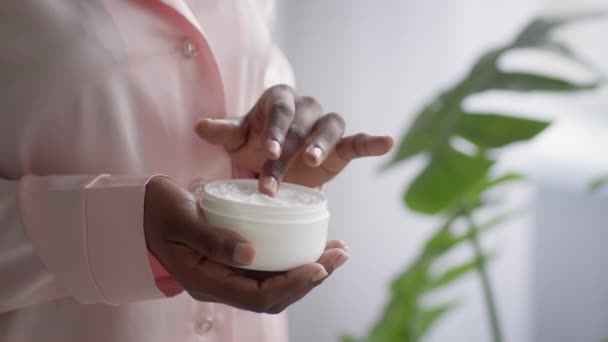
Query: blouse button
[189,49]
[203,326]
[197,187]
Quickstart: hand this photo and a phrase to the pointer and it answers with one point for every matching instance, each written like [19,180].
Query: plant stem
[486,284]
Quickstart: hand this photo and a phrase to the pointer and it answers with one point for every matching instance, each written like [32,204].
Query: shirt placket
[193,45]
[191,50]
[209,321]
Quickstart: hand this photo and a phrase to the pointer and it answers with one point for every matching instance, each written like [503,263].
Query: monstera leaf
[599,183]
[455,183]
[448,176]
[407,317]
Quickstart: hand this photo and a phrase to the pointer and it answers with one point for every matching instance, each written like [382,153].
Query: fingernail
[274,147]
[340,260]
[199,125]
[322,273]
[270,184]
[344,246]
[243,253]
[317,153]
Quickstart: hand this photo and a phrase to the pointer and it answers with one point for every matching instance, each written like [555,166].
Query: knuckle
[282,89]
[282,109]
[297,134]
[359,144]
[277,133]
[359,138]
[341,151]
[310,102]
[213,247]
[337,119]
[275,168]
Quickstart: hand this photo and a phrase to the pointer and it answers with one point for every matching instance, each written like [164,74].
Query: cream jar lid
[241,198]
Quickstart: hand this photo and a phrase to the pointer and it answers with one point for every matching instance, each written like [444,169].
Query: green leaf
[428,317]
[567,52]
[473,200]
[421,135]
[436,242]
[429,129]
[538,32]
[494,130]
[516,81]
[496,221]
[412,281]
[455,273]
[447,178]
[456,183]
[348,339]
[440,242]
[401,319]
[444,240]
[433,124]
[507,178]
[397,322]
[483,72]
[598,184]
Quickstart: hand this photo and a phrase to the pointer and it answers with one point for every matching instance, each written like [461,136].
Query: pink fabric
[96,97]
[163,279]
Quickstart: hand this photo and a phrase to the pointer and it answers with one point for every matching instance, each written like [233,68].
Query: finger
[228,133]
[308,111]
[263,275]
[337,244]
[357,146]
[294,297]
[326,133]
[278,111]
[363,145]
[292,286]
[331,259]
[221,283]
[315,272]
[240,291]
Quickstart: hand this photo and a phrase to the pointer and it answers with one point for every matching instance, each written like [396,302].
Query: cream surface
[247,192]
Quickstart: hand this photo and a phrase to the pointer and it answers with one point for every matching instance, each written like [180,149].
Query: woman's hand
[287,137]
[199,256]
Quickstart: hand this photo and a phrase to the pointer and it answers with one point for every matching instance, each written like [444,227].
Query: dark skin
[284,137]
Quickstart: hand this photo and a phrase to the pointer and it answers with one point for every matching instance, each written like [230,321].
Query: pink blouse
[97,96]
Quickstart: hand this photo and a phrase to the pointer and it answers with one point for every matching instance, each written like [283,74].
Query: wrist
[153,192]
[164,280]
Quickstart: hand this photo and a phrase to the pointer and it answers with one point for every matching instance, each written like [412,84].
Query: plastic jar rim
[224,206]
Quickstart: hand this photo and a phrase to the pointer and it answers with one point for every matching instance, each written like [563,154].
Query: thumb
[228,133]
[220,245]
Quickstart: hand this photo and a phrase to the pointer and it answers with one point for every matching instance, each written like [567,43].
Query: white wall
[376,63]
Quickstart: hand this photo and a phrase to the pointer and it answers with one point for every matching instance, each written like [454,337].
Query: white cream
[248,193]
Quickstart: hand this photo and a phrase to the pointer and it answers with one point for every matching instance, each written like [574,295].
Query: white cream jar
[287,231]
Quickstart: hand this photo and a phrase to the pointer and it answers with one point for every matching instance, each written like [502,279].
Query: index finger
[279,112]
